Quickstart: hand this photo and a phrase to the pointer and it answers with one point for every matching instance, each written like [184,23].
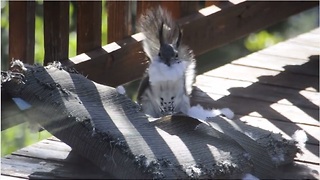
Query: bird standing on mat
[167,83]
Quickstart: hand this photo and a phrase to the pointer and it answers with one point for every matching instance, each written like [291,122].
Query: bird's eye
[159,54]
[176,55]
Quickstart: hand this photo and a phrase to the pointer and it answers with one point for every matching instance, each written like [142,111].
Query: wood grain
[119,20]
[88,25]
[22,31]
[56,31]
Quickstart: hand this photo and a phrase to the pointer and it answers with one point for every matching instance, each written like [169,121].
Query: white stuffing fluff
[300,136]
[227,112]
[199,112]
[19,63]
[121,90]
[159,71]
[249,176]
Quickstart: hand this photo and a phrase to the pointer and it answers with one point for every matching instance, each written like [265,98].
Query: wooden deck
[275,89]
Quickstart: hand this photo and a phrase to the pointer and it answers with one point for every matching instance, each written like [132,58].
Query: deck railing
[206,25]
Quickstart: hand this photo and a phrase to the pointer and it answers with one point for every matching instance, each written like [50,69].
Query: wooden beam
[56,30]
[189,7]
[22,30]
[88,25]
[212,27]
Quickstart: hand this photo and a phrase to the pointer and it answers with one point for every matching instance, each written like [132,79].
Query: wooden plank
[25,167]
[217,29]
[287,129]
[267,76]
[56,30]
[22,30]
[119,27]
[259,91]
[274,62]
[88,25]
[46,152]
[296,50]
[259,108]
[310,154]
[189,7]
[308,39]
[11,177]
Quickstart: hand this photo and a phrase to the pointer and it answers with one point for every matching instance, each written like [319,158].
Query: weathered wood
[217,28]
[11,177]
[286,128]
[56,31]
[119,20]
[22,31]
[88,25]
[201,33]
[259,108]
[33,168]
[251,74]
[279,63]
[258,91]
[189,7]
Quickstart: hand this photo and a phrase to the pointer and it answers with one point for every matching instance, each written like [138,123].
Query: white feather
[199,112]
[301,137]
[227,112]
[121,90]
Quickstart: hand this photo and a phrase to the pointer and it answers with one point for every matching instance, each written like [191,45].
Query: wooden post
[22,30]
[56,30]
[119,20]
[88,25]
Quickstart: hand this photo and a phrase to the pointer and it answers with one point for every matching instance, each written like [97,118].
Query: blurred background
[20,136]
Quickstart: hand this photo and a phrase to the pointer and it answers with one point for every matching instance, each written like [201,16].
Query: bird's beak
[167,62]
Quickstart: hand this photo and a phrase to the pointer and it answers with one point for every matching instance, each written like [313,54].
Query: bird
[166,86]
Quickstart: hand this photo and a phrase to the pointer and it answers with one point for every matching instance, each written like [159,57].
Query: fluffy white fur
[190,73]
[300,136]
[199,112]
[159,71]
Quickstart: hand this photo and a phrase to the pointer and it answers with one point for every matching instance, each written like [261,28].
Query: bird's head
[168,53]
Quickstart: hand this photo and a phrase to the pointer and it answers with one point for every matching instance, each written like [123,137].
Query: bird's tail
[151,23]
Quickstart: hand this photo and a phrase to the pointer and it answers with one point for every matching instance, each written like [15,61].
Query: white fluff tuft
[300,136]
[121,90]
[190,73]
[199,112]
[249,176]
[159,71]
[227,112]
[19,63]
